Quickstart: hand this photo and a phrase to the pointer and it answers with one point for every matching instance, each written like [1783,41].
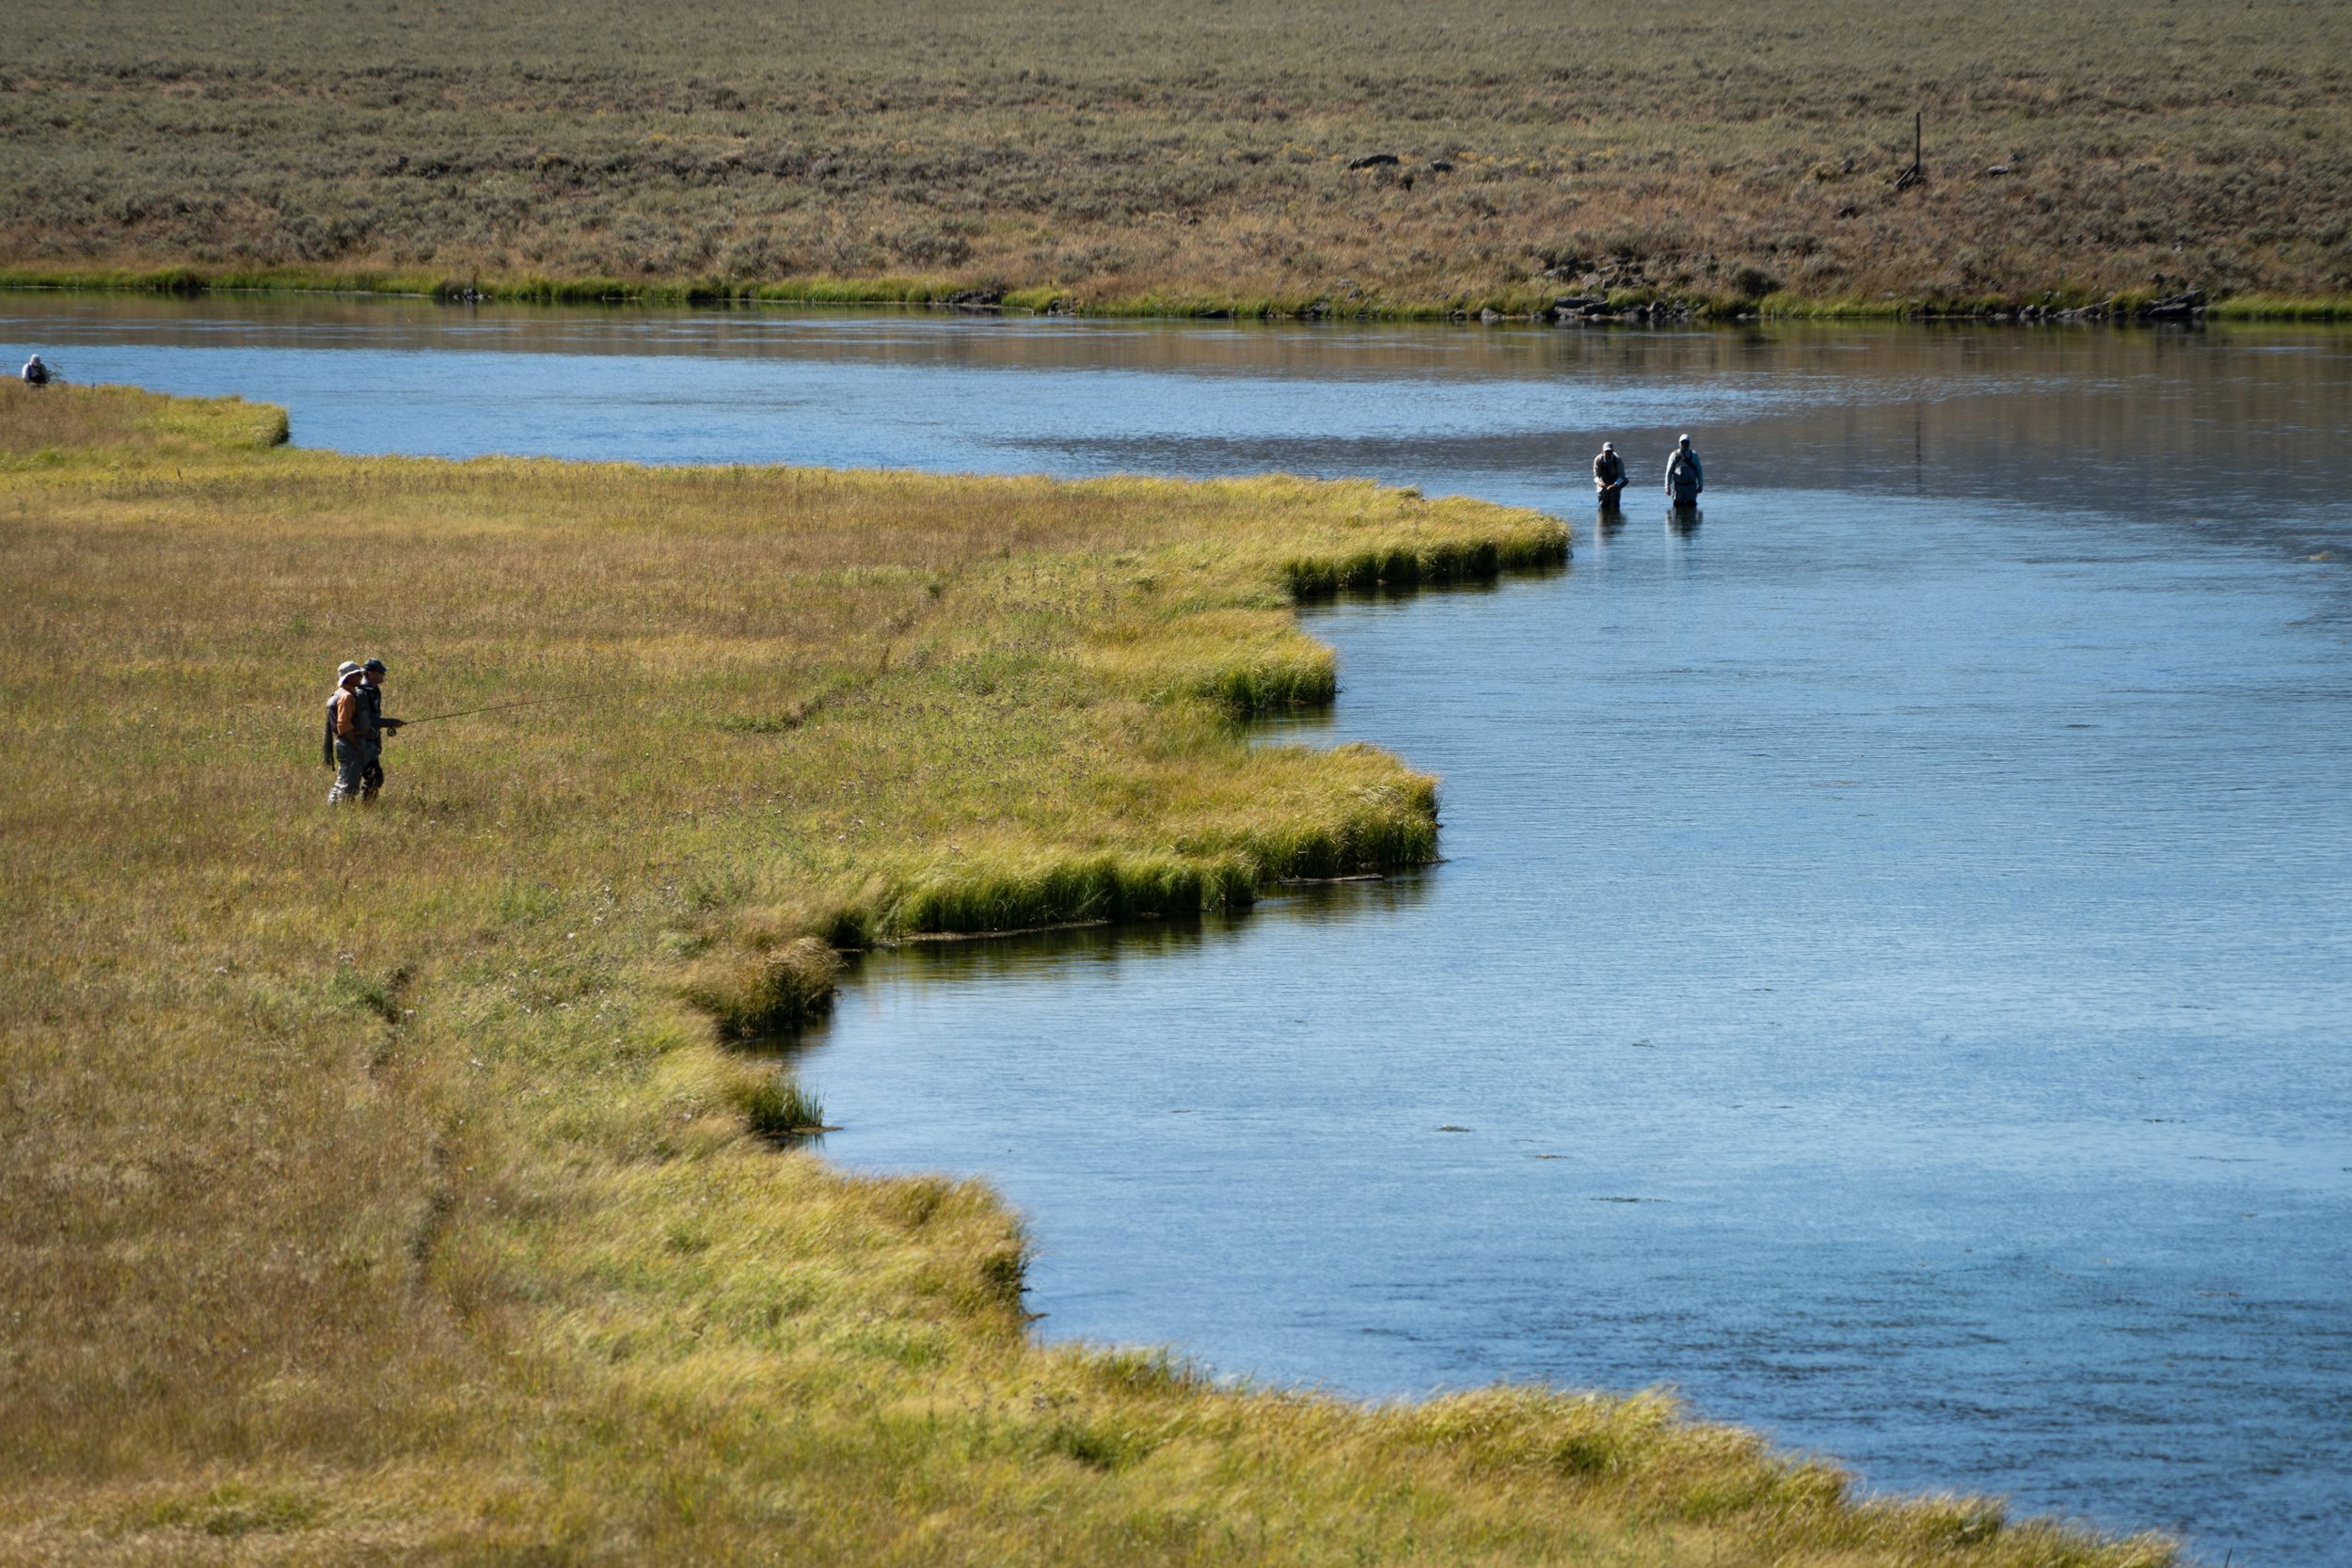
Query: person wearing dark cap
[372,676]
[1684,478]
[1608,474]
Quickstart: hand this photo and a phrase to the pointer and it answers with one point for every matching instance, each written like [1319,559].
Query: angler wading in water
[1608,474]
[355,727]
[35,373]
[1684,478]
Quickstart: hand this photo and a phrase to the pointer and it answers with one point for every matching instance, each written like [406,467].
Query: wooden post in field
[1917,172]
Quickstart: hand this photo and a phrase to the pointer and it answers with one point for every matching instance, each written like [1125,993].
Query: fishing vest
[351,717]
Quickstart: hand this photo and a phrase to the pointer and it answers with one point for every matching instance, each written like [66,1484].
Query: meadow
[1193,156]
[424,1182]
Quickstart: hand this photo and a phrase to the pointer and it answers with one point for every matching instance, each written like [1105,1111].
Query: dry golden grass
[373,1190]
[1193,151]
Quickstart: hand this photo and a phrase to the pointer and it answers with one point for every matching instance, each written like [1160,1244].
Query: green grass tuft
[749,994]
[778,1107]
[2281,307]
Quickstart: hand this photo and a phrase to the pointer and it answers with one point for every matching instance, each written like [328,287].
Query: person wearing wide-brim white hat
[347,729]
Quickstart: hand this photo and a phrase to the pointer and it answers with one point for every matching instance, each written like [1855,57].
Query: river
[1890,976]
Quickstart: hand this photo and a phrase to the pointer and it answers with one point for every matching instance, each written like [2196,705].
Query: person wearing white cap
[1684,478]
[1608,473]
[35,373]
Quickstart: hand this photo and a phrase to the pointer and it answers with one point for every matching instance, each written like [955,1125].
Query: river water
[1890,976]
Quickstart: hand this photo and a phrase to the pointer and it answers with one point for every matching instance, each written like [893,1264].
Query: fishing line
[499,707]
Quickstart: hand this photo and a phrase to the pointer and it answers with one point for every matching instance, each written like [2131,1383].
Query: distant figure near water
[1608,474]
[35,373]
[1684,478]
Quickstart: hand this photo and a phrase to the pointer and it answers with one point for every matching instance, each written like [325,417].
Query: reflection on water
[1890,974]
[1102,950]
[1100,953]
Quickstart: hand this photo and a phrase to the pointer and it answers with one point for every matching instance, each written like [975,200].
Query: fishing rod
[496,707]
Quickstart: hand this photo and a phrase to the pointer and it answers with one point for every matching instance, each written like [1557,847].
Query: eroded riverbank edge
[1538,303]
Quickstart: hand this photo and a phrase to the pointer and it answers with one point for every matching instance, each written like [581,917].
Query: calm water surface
[1889,976]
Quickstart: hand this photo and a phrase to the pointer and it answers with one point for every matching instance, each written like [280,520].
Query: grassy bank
[1514,305]
[1382,155]
[395,1184]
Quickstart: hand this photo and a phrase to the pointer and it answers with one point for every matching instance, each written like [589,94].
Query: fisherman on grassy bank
[372,674]
[35,373]
[1608,474]
[1684,478]
[355,735]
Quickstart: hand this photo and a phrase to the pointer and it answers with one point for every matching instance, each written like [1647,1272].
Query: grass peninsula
[1196,156]
[402,1184]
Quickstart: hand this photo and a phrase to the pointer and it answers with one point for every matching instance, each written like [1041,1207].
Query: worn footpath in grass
[394,1184]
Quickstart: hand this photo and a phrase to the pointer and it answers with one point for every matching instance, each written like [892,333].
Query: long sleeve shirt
[1683,472]
[372,695]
